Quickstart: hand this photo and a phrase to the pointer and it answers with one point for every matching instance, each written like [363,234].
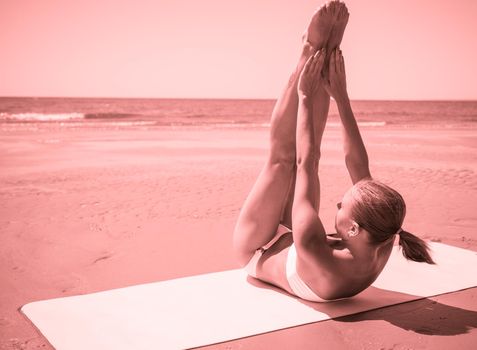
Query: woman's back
[355,273]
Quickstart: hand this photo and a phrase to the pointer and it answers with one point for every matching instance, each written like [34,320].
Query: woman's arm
[356,157]
[307,227]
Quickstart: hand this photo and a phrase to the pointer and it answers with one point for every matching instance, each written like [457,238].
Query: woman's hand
[336,86]
[310,77]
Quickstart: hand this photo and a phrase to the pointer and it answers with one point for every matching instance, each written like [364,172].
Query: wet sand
[87,210]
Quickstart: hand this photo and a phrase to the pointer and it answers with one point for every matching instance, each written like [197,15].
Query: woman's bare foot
[321,24]
[341,20]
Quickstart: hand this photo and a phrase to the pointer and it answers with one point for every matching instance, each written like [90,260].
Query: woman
[279,237]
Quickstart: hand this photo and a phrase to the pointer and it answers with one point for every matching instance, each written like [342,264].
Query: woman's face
[343,219]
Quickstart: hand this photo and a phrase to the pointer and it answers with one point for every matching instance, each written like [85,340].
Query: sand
[86,210]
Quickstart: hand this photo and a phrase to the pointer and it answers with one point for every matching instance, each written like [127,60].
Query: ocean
[32,113]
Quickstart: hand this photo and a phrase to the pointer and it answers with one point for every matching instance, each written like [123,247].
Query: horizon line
[230,98]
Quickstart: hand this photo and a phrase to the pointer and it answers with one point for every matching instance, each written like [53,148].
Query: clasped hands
[311,76]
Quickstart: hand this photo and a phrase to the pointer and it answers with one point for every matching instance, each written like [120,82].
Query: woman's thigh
[262,211]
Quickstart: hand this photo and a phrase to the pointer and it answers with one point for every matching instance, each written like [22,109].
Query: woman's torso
[352,278]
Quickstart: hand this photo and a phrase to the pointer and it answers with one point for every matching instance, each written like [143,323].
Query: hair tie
[398,232]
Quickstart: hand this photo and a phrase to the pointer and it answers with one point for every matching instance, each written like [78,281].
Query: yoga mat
[211,308]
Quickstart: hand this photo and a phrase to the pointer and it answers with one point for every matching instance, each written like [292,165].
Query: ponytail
[414,248]
[380,210]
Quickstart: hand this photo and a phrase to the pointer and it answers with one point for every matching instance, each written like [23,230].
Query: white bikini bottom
[297,285]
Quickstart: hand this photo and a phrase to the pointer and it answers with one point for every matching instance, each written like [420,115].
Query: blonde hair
[380,210]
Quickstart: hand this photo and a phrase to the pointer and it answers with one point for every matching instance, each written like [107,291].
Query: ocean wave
[130,119]
[377,123]
[54,117]
[42,117]
[61,125]
[111,115]
[364,124]
[329,124]
[267,125]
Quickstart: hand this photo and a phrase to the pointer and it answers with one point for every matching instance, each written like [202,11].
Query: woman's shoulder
[361,273]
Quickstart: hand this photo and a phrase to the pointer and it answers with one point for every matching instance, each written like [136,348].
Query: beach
[88,209]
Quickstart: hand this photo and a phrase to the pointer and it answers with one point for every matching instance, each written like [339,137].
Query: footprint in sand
[471,222]
[71,283]
[103,257]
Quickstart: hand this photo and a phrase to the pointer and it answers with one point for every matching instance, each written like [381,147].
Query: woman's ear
[354,229]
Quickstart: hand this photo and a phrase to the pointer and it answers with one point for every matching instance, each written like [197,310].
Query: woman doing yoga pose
[279,237]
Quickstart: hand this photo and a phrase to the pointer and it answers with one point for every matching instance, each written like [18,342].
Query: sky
[394,49]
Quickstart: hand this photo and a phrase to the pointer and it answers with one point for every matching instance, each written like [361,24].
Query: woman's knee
[282,154]
[282,161]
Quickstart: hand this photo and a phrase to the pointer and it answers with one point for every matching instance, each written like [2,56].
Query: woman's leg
[262,211]
[321,105]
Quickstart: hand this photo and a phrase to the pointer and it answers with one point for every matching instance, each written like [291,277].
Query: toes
[320,12]
[343,12]
[341,7]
